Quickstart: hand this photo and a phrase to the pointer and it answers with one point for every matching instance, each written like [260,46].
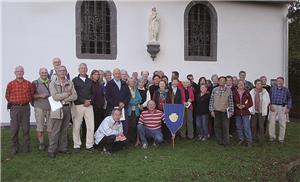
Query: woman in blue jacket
[133,110]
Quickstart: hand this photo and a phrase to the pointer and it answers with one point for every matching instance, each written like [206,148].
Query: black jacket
[202,104]
[84,90]
[114,96]
[177,97]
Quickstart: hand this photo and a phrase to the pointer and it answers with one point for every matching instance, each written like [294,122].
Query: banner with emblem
[174,114]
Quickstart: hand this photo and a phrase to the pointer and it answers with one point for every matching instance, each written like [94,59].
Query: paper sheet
[54,104]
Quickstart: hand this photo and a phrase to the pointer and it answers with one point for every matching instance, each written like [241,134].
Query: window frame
[113,33]
[213,31]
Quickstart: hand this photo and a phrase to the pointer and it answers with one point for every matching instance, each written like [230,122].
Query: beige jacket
[61,93]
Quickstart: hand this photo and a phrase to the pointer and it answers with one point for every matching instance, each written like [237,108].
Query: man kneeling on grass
[110,135]
[150,125]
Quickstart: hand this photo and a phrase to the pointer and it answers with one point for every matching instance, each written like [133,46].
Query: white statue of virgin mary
[154,24]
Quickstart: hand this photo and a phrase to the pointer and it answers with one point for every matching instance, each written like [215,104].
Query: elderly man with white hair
[19,94]
[84,108]
[41,105]
[56,62]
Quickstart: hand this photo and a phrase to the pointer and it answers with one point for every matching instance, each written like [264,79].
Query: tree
[294,56]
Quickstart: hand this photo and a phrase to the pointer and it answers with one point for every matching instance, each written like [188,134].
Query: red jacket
[191,96]
[244,100]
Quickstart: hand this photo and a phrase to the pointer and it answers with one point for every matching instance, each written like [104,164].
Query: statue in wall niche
[154,24]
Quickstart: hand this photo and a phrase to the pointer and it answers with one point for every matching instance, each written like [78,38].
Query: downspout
[285,65]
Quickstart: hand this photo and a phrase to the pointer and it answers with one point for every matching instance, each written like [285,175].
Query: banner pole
[173,143]
[173,140]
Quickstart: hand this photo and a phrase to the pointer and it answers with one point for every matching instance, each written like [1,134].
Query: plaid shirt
[19,92]
[281,96]
[221,92]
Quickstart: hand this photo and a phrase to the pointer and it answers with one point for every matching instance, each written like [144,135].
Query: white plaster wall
[250,38]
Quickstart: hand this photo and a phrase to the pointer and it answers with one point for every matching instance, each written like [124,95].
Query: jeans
[243,128]
[145,133]
[202,125]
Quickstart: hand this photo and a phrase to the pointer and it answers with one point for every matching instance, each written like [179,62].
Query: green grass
[190,161]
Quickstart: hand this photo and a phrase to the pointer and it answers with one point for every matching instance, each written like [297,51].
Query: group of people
[108,110]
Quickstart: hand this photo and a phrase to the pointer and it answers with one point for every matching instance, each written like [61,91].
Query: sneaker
[203,139]
[155,145]
[199,138]
[144,146]
[281,142]
[92,149]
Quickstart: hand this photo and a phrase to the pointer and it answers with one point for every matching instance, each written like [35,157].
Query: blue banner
[174,116]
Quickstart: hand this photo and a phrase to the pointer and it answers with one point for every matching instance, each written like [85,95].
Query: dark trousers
[110,145]
[258,126]
[132,128]
[20,117]
[83,131]
[99,115]
[232,126]
[221,126]
[58,138]
[166,132]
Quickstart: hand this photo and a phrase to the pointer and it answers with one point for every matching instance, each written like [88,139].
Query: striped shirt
[152,119]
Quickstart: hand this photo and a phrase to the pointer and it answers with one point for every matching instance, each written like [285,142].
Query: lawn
[191,160]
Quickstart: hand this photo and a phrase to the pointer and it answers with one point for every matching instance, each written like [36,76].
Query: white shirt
[82,78]
[174,90]
[118,82]
[108,127]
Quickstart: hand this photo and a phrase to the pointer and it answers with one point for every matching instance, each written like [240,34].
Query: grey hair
[19,67]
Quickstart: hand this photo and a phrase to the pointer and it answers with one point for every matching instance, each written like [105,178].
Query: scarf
[46,81]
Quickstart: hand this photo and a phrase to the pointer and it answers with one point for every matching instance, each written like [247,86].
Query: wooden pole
[173,143]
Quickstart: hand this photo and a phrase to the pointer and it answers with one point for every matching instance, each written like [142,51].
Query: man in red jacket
[19,94]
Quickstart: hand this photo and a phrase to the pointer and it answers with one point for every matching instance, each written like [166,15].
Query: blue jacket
[114,96]
[135,102]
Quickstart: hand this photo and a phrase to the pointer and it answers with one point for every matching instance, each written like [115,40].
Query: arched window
[96,30]
[200,32]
